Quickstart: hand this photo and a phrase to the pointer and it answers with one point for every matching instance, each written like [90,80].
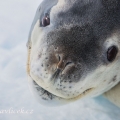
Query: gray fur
[77,34]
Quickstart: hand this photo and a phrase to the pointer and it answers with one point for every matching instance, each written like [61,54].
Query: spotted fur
[67,59]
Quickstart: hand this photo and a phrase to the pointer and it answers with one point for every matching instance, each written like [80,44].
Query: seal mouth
[50,95]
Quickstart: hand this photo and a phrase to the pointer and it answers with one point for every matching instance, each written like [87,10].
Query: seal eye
[46,20]
[111,53]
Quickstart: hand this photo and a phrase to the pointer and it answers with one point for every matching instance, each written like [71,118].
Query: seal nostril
[68,63]
[59,58]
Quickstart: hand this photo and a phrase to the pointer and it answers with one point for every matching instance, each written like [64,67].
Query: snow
[15,21]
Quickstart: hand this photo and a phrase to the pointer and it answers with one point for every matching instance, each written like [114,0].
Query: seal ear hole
[46,20]
[111,53]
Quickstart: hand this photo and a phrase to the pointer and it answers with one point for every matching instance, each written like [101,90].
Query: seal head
[74,49]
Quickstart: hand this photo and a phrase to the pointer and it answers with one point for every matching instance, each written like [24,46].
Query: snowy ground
[15,20]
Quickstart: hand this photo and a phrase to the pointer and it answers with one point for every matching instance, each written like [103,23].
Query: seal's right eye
[46,20]
[111,53]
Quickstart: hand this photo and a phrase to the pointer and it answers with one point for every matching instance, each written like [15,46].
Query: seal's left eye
[46,20]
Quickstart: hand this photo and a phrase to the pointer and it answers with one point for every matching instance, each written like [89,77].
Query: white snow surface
[15,21]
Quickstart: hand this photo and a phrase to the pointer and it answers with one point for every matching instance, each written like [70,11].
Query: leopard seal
[74,51]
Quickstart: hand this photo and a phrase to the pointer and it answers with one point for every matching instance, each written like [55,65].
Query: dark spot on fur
[39,55]
[47,65]
[68,76]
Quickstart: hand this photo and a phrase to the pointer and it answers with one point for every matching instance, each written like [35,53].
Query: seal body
[74,49]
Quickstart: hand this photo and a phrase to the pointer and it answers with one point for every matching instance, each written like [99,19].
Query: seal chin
[47,98]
